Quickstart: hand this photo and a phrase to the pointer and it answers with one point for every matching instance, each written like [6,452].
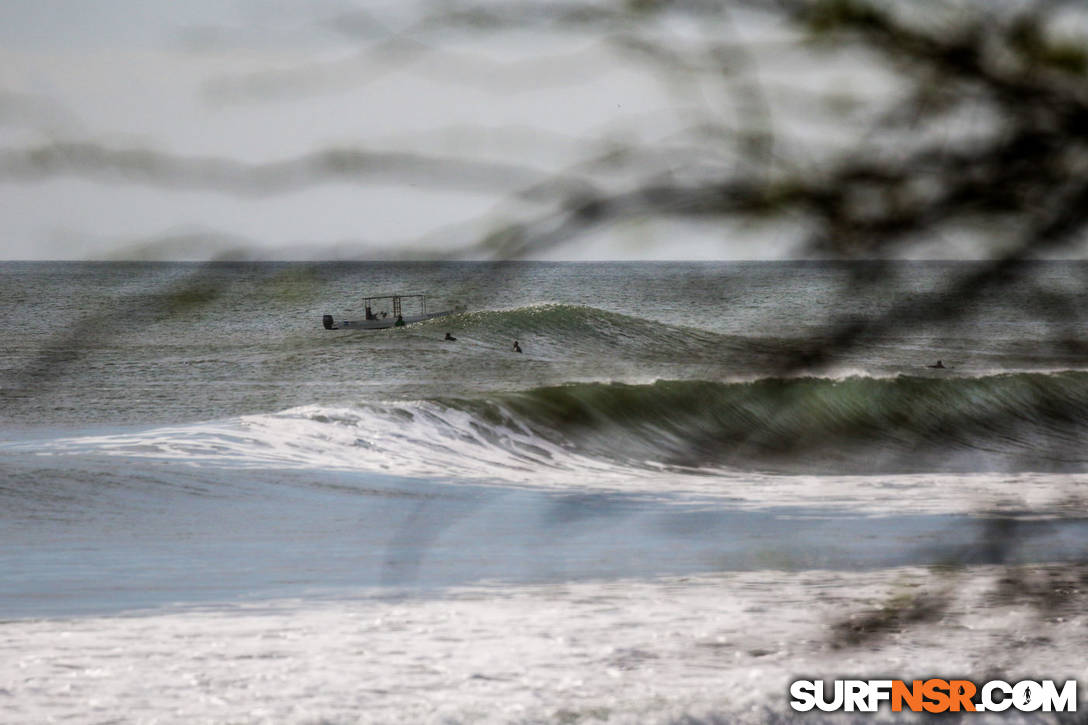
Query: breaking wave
[1017,422]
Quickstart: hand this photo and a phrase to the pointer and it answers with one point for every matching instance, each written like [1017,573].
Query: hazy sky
[256,82]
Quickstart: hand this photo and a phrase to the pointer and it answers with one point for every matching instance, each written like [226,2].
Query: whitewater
[215,510]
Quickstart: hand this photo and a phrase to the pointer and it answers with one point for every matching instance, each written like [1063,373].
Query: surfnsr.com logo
[934,695]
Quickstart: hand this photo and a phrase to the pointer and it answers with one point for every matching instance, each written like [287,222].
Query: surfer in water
[450,337]
[938,366]
[517,347]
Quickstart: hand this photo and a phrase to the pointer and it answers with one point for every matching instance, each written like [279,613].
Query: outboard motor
[327,321]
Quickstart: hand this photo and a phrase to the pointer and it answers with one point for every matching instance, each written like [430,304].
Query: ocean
[687,489]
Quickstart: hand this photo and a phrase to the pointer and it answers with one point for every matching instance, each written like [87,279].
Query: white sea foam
[429,440]
[719,648]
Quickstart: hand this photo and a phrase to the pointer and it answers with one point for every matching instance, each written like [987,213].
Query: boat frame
[372,321]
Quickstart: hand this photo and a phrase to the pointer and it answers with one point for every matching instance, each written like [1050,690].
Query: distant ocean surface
[147,407]
[188,434]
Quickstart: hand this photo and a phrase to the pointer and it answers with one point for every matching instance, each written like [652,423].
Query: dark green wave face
[566,332]
[1014,422]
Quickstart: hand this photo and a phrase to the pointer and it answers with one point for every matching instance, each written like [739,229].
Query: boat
[392,313]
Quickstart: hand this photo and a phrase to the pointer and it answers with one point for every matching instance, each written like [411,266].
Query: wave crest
[1012,422]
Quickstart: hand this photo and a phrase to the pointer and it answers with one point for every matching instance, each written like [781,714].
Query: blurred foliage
[977,128]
